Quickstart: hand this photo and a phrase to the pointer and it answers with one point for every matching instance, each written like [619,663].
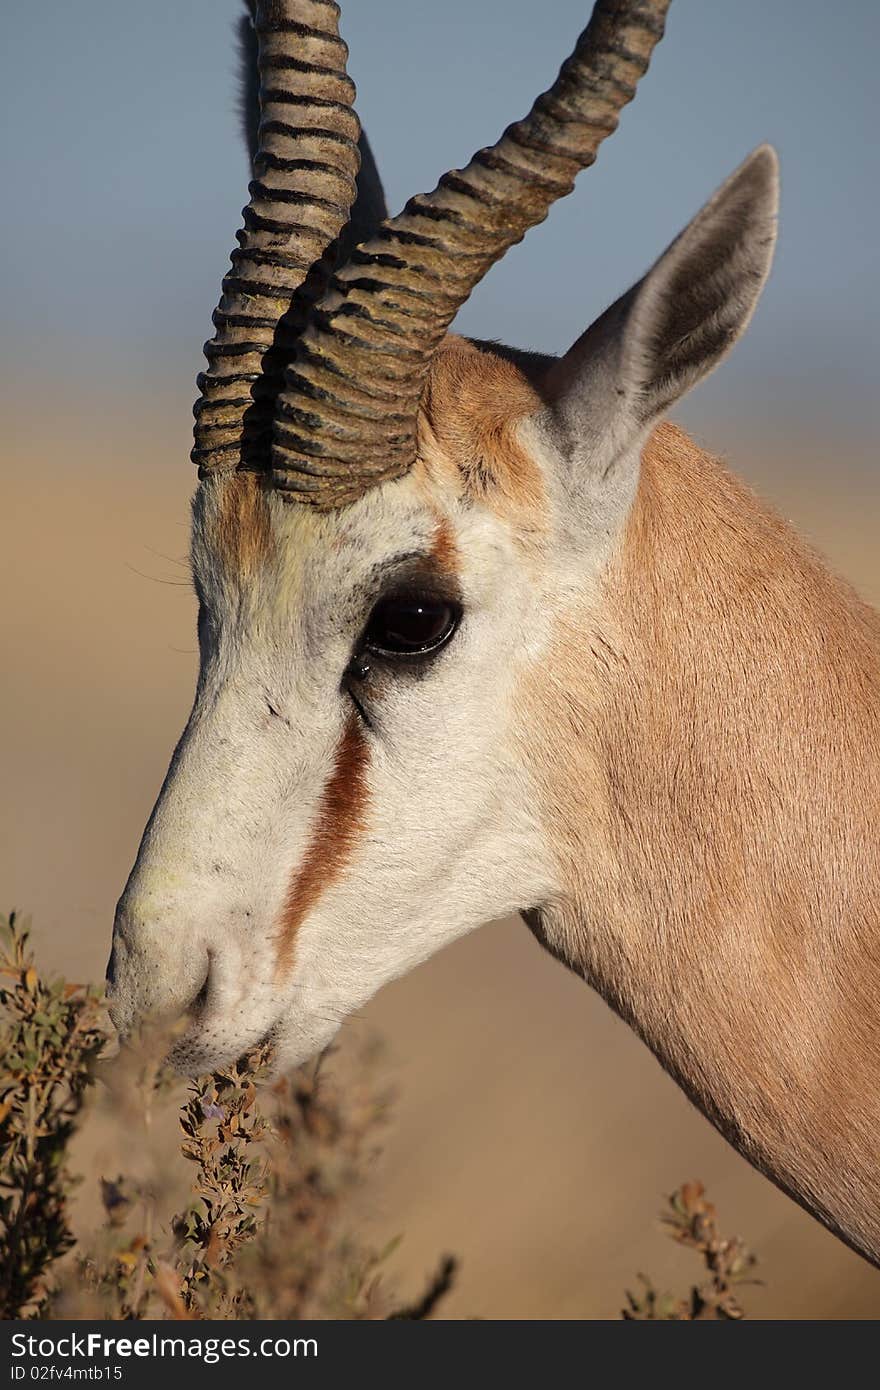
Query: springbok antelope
[481,633]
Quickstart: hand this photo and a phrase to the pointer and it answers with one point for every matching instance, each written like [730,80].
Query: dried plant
[50,1039]
[322,1138]
[304,1263]
[261,1231]
[261,1235]
[224,1135]
[691,1220]
[438,1287]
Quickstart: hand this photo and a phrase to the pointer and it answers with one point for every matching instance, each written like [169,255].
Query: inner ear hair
[673,327]
[699,298]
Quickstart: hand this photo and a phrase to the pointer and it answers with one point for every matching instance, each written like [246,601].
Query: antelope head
[389,526]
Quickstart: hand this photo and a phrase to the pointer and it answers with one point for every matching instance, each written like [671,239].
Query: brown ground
[534,1134]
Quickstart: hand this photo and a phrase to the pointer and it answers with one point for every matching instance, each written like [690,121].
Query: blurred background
[534,1135]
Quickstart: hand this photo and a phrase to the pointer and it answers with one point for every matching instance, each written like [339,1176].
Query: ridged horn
[346,418]
[369,207]
[305,166]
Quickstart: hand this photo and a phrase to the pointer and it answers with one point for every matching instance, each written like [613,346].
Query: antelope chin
[202,1049]
[210,1044]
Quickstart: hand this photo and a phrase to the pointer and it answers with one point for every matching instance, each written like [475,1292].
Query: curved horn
[305,166]
[346,419]
[369,207]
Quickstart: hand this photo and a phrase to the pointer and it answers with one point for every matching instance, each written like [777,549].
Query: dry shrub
[50,1041]
[259,1232]
[691,1220]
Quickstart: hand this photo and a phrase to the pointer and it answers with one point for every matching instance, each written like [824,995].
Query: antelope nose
[156,969]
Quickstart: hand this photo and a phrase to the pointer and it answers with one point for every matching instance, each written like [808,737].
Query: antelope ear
[669,330]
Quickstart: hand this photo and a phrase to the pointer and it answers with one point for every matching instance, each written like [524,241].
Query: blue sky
[124,176]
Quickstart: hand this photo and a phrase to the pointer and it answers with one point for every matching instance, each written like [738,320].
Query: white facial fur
[445,839]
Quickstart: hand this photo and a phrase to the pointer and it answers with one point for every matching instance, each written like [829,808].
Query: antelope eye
[411,625]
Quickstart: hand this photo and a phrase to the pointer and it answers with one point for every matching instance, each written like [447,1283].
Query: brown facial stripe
[340,820]
[444,549]
[241,529]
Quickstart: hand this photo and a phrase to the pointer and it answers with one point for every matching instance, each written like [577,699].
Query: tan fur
[339,823]
[444,551]
[472,403]
[241,533]
[706,733]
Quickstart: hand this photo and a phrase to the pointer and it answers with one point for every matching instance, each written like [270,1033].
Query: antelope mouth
[209,1048]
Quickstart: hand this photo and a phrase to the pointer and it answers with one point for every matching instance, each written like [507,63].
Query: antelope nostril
[153,974]
[112,971]
[201,998]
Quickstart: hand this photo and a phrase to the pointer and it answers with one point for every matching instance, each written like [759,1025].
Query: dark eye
[411,625]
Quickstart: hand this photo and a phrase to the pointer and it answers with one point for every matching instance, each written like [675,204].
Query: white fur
[449,840]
